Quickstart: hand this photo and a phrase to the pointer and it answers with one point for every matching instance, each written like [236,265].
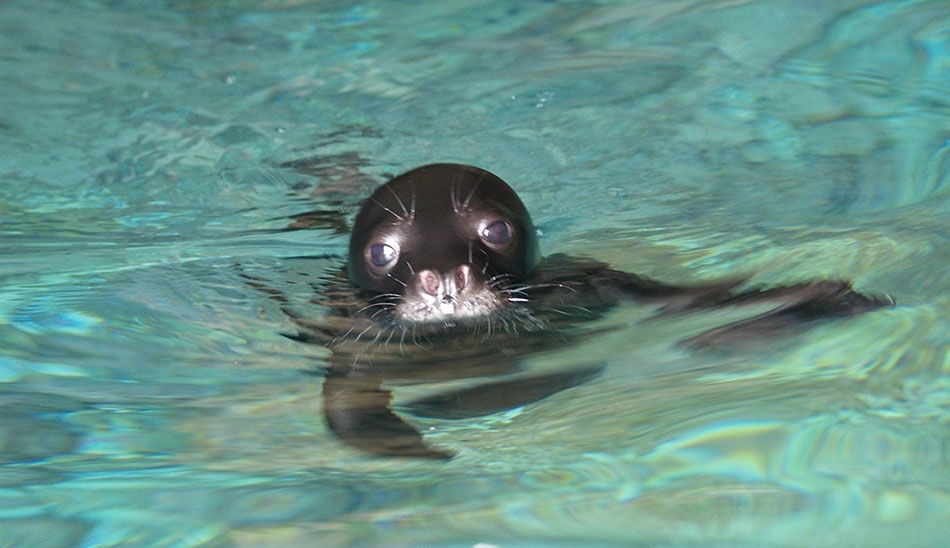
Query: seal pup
[445,281]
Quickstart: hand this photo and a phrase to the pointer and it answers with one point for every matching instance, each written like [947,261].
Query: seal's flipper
[502,395]
[798,306]
[563,281]
[816,300]
[624,286]
[357,411]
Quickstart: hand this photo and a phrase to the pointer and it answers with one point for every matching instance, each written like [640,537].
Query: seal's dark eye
[382,255]
[497,233]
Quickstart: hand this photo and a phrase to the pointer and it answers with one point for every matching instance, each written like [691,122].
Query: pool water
[151,153]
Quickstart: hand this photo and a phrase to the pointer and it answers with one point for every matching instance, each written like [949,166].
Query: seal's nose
[445,286]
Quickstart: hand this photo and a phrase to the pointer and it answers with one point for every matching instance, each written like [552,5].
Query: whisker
[378,312]
[402,340]
[386,209]
[397,280]
[387,297]
[389,338]
[453,196]
[363,332]
[380,308]
[406,212]
[575,308]
[471,193]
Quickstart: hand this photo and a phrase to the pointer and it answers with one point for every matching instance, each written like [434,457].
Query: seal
[445,282]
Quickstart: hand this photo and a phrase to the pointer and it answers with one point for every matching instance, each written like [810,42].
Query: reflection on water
[148,153]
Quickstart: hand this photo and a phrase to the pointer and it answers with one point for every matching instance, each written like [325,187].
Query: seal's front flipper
[502,395]
[563,281]
[357,411]
[621,286]
[797,307]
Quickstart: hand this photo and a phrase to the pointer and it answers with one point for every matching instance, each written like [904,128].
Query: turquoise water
[149,399]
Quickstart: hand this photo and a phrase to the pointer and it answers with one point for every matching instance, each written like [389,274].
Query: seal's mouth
[434,296]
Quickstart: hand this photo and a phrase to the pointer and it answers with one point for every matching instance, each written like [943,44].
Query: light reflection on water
[148,397]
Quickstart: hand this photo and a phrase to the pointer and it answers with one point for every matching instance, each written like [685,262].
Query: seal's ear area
[357,411]
[502,395]
[797,306]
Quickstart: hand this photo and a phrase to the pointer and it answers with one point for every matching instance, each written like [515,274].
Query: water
[149,399]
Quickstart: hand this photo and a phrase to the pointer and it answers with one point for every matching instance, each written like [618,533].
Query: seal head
[439,240]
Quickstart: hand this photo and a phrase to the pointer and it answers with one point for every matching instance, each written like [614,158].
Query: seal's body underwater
[445,281]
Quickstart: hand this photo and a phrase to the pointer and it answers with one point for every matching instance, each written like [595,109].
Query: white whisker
[387,210]
[407,214]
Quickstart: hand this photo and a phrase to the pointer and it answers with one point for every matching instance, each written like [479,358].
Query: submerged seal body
[445,281]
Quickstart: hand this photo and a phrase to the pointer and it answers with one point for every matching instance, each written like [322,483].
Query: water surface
[149,153]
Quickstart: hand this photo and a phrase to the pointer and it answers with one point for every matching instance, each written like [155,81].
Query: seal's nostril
[461,278]
[430,282]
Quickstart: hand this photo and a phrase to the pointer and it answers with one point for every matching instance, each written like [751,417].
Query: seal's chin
[421,307]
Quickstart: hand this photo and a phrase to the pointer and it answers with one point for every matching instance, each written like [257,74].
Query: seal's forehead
[445,186]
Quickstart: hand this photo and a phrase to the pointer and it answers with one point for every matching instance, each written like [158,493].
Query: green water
[147,397]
